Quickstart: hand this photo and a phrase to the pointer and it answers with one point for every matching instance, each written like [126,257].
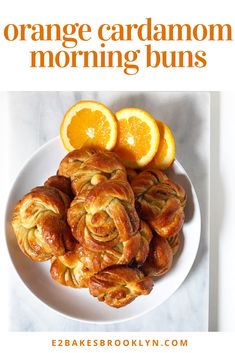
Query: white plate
[78,303]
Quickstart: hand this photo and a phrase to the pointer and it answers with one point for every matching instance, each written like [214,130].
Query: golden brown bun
[96,261]
[159,260]
[39,222]
[106,217]
[117,286]
[159,201]
[88,167]
[69,270]
[175,242]
[72,162]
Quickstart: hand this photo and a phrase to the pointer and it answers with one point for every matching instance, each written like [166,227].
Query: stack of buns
[102,226]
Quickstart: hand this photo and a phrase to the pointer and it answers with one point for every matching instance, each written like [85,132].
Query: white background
[219,75]
[14,59]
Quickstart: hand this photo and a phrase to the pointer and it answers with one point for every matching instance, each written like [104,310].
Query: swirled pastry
[159,201]
[39,222]
[68,270]
[118,286]
[90,166]
[159,260]
[72,162]
[75,268]
[96,261]
[106,218]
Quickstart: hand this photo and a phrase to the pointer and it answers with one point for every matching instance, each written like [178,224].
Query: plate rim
[97,322]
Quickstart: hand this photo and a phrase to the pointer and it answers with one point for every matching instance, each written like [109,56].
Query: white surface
[35,118]
[79,303]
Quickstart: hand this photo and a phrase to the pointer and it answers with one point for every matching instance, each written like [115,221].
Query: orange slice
[166,150]
[138,137]
[88,123]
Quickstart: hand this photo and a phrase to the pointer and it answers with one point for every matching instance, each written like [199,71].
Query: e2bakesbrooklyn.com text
[119,342]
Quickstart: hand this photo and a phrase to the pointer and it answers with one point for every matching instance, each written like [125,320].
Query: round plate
[78,303]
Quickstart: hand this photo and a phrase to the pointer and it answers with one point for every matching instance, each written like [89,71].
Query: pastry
[97,261]
[39,222]
[90,166]
[106,217]
[68,270]
[159,201]
[118,286]
[159,260]
[72,162]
